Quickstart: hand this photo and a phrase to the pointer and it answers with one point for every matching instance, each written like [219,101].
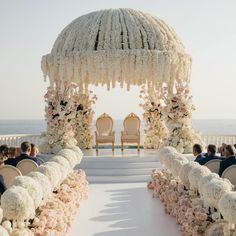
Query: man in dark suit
[229,160]
[211,155]
[197,152]
[25,154]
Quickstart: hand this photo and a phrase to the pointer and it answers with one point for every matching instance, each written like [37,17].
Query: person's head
[34,150]
[211,150]
[229,151]
[18,151]
[222,149]
[12,152]
[25,147]
[4,150]
[197,149]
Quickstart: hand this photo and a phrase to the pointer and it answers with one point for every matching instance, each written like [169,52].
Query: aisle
[126,209]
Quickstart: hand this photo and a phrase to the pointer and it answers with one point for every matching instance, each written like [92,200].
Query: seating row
[8,172]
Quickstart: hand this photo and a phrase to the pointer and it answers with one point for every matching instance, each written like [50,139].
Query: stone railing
[15,140]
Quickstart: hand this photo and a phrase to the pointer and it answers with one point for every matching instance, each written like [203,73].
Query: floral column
[155,129]
[178,113]
[84,119]
[60,114]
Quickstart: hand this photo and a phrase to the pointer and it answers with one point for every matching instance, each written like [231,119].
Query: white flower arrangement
[32,186]
[6,224]
[165,151]
[177,165]
[70,155]
[60,169]
[44,182]
[17,204]
[196,174]
[178,112]
[155,129]
[184,172]
[3,231]
[227,206]
[206,179]
[213,191]
[63,162]
[78,153]
[53,175]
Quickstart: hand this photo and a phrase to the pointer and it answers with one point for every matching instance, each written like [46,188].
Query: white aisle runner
[126,209]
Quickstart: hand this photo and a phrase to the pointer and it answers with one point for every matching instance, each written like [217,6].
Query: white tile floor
[122,210]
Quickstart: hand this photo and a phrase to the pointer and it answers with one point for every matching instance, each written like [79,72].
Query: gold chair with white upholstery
[8,173]
[230,174]
[131,133]
[213,165]
[26,166]
[104,133]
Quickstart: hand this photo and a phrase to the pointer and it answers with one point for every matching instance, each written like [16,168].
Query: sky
[28,29]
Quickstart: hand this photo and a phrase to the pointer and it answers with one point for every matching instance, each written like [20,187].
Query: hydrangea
[70,155]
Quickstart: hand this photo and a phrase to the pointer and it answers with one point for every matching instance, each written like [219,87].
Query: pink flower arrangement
[152,105]
[56,215]
[193,219]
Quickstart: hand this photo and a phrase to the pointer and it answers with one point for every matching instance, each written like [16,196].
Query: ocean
[37,126]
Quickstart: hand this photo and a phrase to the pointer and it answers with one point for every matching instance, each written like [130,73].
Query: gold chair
[131,133]
[229,173]
[26,166]
[8,173]
[213,165]
[104,133]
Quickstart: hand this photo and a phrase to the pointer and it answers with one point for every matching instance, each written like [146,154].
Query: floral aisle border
[178,112]
[194,196]
[30,195]
[56,215]
[69,117]
[155,129]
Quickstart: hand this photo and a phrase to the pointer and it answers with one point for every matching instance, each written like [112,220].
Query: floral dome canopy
[117,45]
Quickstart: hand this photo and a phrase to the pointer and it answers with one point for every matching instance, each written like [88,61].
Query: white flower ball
[70,155]
[227,206]
[78,152]
[60,169]
[32,186]
[176,166]
[164,151]
[17,204]
[184,172]
[3,232]
[213,191]
[206,179]
[44,182]
[7,225]
[196,174]
[52,174]
[62,161]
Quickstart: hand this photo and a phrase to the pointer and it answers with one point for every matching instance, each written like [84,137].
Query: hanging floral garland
[84,119]
[60,114]
[155,131]
[178,112]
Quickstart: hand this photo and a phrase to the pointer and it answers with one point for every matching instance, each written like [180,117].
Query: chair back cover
[8,173]
[230,174]
[213,165]
[104,125]
[26,166]
[132,124]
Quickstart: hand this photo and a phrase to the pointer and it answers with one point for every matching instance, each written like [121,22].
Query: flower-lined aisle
[201,201]
[45,200]
[56,215]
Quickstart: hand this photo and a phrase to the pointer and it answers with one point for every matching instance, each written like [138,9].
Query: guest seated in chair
[229,160]
[211,154]
[25,154]
[197,152]
[34,150]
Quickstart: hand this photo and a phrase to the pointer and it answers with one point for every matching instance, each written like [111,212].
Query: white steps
[118,169]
